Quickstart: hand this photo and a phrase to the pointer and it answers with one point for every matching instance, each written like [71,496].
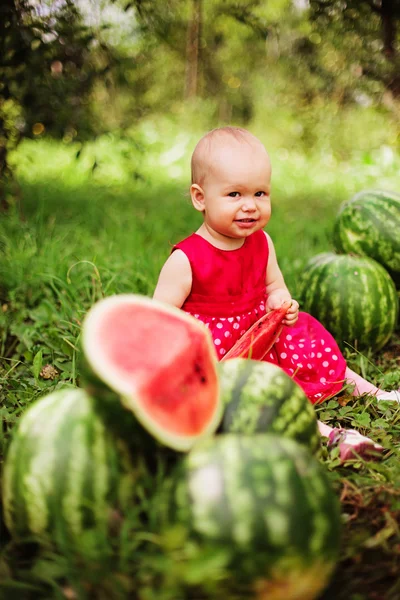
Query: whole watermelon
[64,474]
[268,503]
[260,397]
[353,297]
[369,225]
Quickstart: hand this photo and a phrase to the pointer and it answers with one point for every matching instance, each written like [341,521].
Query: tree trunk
[9,30]
[388,27]
[6,12]
[193,50]
[389,31]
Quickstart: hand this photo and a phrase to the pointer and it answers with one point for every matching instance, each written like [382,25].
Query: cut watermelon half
[259,339]
[160,361]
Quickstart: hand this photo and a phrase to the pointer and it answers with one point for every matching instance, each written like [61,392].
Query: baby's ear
[197,196]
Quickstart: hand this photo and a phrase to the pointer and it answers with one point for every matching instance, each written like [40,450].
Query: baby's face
[237,189]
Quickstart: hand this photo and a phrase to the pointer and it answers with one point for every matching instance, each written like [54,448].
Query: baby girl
[227,275]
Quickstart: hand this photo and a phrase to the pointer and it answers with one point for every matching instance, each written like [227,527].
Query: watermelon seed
[198,369]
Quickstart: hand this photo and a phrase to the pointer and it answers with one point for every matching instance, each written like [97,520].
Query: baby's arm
[277,292]
[175,280]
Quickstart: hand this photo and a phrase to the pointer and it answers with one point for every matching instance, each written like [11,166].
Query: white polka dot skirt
[306,352]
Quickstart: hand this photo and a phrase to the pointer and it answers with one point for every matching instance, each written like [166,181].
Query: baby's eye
[260,194]
[234,194]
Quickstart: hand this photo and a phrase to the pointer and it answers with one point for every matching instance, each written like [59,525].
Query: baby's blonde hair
[201,156]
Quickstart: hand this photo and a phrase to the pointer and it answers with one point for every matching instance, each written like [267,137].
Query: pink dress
[229,293]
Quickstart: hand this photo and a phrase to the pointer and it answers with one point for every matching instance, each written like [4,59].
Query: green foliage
[70,69]
[49,65]
[370,29]
[310,61]
[100,218]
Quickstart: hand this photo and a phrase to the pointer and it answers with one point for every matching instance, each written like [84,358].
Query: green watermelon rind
[260,397]
[64,472]
[354,297]
[129,399]
[268,502]
[368,225]
[178,443]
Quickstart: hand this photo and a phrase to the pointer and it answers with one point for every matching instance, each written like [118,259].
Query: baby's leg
[324,430]
[351,443]
[361,386]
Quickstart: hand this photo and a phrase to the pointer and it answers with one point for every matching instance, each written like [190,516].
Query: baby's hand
[292,314]
[276,299]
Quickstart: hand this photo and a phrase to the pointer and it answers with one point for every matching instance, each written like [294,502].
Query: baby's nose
[249,204]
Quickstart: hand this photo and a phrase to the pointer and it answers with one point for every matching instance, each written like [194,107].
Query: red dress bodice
[226,282]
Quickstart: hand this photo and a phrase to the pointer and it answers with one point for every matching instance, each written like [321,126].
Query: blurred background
[309,76]
[103,101]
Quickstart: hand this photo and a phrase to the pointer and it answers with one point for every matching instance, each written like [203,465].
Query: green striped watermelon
[268,503]
[353,297]
[64,474]
[260,397]
[369,225]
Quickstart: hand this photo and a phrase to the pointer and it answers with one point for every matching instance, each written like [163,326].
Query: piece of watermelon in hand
[259,339]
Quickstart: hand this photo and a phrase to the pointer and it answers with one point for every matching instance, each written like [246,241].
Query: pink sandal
[353,445]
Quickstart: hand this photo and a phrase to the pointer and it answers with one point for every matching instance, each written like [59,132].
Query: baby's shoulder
[268,238]
[178,258]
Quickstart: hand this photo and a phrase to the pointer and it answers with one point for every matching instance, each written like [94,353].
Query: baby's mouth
[246,220]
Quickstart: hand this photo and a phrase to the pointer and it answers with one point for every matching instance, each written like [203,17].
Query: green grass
[88,222]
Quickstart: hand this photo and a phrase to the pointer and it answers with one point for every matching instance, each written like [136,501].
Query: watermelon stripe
[301,425]
[368,225]
[353,297]
[260,397]
[89,506]
[101,477]
[270,507]
[315,283]
[242,375]
[62,471]
[38,459]
[305,510]
[49,465]
[264,386]
[239,495]
[208,516]
[77,468]
[285,479]
[11,489]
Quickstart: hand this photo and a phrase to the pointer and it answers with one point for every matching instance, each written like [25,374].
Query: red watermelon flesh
[259,339]
[160,361]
